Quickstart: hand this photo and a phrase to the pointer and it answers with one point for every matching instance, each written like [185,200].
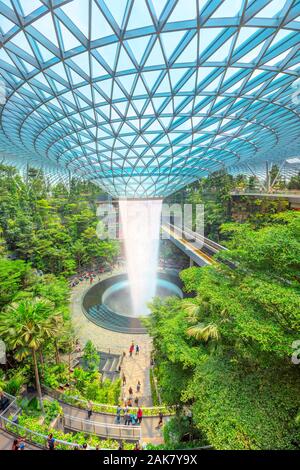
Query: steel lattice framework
[145,96]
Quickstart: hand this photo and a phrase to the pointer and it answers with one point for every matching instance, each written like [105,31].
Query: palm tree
[56,325]
[202,332]
[24,327]
[193,311]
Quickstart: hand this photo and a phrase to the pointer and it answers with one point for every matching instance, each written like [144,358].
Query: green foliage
[91,357]
[294,182]
[52,410]
[56,375]
[155,398]
[15,383]
[240,409]
[13,277]
[30,407]
[89,386]
[54,229]
[78,439]
[178,429]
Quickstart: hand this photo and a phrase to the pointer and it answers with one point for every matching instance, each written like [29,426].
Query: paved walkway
[135,368]
[150,433]
[6,442]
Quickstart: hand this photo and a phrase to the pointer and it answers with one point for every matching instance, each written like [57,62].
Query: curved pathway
[150,431]
[134,368]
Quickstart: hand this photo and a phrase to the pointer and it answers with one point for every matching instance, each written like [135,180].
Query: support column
[191,263]
[267,178]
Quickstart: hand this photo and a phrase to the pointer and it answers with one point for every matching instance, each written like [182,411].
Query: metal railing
[32,437]
[106,430]
[263,192]
[196,238]
[103,407]
[12,403]
[41,440]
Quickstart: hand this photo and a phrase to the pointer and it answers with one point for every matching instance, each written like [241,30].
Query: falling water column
[141,229]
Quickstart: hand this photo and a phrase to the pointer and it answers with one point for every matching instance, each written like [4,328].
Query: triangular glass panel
[272,9]
[99,25]
[182,13]
[222,54]
[189,54]
[138,47]
[69,40]
[228,9]
[139,16]
[78,13]
[109,54]
[155,57]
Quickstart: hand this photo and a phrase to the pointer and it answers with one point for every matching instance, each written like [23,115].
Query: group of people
[129,418]
[90,276]
[129,402]
[133,348]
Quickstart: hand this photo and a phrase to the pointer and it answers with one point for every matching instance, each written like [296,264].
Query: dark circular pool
[108,303]
[118,296]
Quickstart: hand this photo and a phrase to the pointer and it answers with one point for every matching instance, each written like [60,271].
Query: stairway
[102,316]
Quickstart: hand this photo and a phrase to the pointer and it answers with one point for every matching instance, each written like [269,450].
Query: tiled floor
[135,368]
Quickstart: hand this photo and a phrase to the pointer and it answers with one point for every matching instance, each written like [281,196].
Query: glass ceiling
[144,96]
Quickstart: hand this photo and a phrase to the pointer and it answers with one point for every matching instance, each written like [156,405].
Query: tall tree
[25,327]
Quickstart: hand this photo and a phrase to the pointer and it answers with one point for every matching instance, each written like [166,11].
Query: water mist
[141,232]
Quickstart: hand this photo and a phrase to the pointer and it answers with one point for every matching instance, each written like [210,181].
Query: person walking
[134,419]
[90,409]
[160,422]
[138,387]
[15,445]
[123,379]
[140,415]
[127,419]
[137,350]
[118,415]
[136,401]
[131,349]
[130,391]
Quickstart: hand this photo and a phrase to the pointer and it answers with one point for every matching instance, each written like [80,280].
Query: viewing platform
[293,197]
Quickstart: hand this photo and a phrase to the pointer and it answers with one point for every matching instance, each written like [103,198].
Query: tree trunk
[41,357]
[37,379]
[42,363]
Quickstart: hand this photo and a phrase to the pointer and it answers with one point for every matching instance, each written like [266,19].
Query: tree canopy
[227,351]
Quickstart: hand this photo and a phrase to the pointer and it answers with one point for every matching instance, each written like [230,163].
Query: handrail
[197,236]
[5,421]
[96,423]
[12,402]
[64,399]
[274,192]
